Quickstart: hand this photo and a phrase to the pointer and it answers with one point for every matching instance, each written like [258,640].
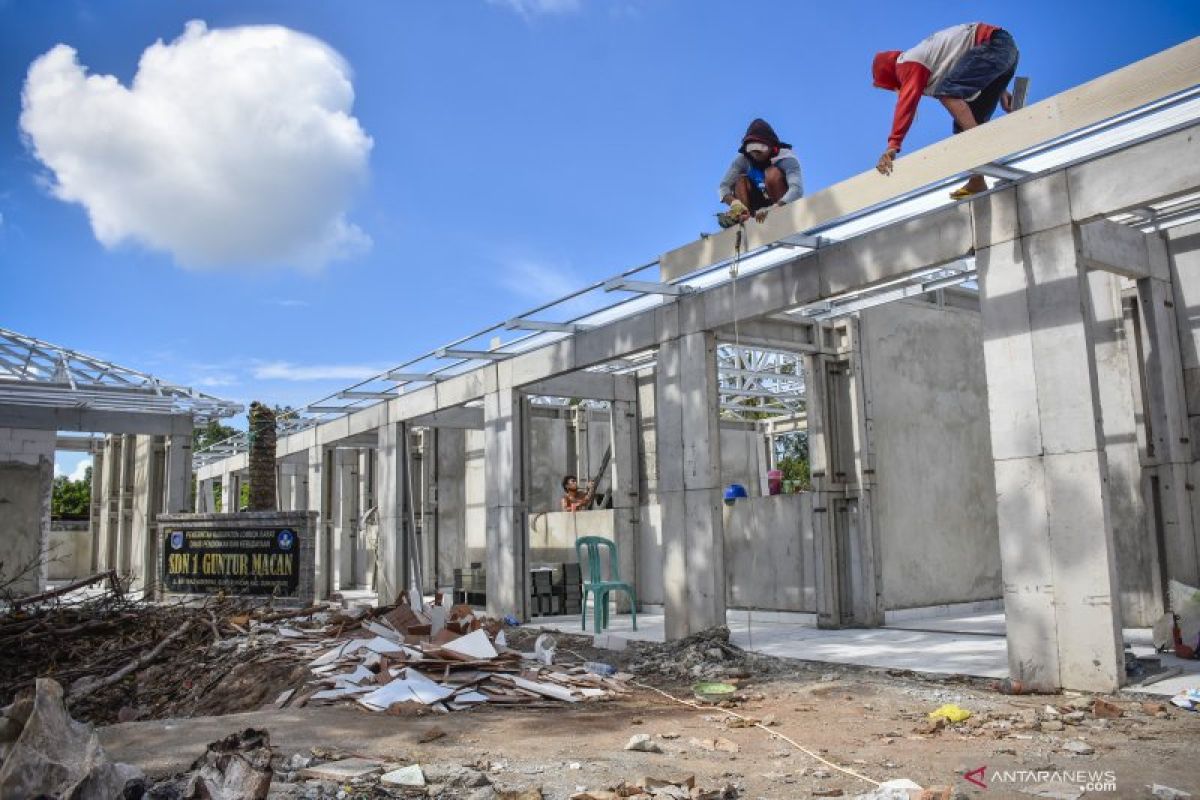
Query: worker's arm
[564,503]
[913,78]
[795,179]
[736,170]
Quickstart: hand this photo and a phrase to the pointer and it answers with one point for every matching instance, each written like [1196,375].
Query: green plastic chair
[595,582]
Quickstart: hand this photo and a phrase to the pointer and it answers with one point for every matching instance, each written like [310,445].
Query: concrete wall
[770,553]
[549,459]
[740,459]
[26,483]
[552,535]
[935,485]
[474,501]
[70,551]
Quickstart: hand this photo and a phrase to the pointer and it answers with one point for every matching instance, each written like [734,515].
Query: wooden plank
[1117,92]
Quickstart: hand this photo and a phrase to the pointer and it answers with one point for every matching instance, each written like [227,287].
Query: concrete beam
[1111,247]
[463,418]
[44,418]
[587,385]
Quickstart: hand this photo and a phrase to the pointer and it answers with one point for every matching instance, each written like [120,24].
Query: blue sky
[518,149]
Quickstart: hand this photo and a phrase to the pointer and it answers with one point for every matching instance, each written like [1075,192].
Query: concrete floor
[964,644]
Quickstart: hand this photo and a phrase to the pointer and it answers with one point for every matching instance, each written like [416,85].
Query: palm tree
[262,457]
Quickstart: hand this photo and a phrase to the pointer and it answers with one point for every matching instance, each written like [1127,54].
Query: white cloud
[529,8]
[537,281]
[80,469]
[230,147]
[287,371]
[76,474]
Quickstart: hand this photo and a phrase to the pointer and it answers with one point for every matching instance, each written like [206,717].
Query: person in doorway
[764,173]
[967,67]
[575,499]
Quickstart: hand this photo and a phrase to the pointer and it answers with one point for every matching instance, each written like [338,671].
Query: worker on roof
[966,67]
[765,172]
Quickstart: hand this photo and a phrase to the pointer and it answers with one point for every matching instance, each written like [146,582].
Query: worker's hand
[739,211]
[1006,102]
[761,215]
[886,162]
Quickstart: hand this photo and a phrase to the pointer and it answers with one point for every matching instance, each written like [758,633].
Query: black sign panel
[262,561]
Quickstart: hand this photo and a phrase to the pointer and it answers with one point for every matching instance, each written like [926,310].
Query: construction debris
[658,789]
[399,658]
[45,753]
[238,766]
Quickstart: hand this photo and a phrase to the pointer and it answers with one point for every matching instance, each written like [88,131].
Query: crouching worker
[966,67]
[764,173]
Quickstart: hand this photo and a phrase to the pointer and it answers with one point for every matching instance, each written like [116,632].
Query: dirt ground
[870,721]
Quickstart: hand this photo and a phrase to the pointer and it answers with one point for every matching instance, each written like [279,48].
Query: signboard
[260,561]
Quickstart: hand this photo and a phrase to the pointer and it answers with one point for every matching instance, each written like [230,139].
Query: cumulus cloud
[76,474]
[230,147]
[287,371]
[529,8]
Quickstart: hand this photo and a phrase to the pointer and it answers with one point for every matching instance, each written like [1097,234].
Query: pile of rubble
[444,659]
[707,654]
[124,659]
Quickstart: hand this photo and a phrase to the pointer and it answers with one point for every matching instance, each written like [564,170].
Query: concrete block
[413,404]
[630,335]
[692,316]
[1027,570]
[469,386]
[1008,352]
[994,218]
[1112,247]
[938,237]
[1043,203]
[1136,176]
[545,362]
[1063,345]
[666,322]
[1087,609]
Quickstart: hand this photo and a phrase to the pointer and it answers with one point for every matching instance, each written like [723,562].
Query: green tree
[791,456]
[72,498]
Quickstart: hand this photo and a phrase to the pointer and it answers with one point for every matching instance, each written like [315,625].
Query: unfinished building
[998,396]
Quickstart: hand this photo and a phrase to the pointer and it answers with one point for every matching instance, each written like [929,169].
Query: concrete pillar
[144,510]
[391,494]
[364,560]
[504,433]
[228,492]
[688,453]
[97,505]
[106,543]
[624,490]
[128,479]
[1053,507]
[26,486]
[177,480]
[1170,447]
[345,537]
[319,496]
[204,496]
[451,502]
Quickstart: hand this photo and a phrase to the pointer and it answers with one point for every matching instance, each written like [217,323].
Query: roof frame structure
[553,321]
[42,381]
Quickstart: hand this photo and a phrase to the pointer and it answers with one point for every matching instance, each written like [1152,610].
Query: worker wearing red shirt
[966,67]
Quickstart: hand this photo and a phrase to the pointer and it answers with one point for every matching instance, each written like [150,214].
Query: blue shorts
[982,75]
